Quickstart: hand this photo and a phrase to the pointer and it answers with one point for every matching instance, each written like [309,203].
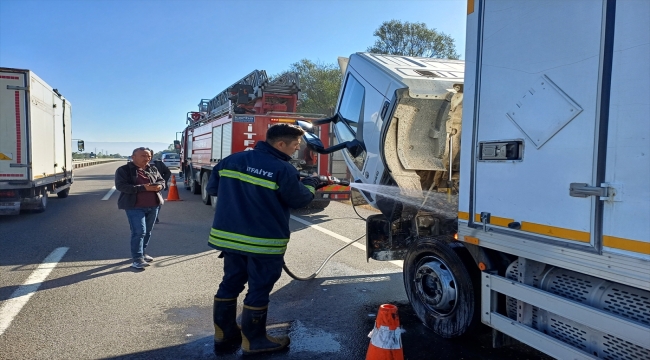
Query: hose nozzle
[330,180]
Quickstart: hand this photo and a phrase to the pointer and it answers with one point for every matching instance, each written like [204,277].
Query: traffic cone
[386,336]
[172,195]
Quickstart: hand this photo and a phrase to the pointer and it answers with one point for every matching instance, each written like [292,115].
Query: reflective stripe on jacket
[255,190]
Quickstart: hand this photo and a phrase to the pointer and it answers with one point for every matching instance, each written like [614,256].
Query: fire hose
[329,180]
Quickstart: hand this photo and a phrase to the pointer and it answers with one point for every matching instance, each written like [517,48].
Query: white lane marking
[110,192]
[21,296]
[399,263]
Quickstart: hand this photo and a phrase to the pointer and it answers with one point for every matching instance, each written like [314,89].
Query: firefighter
[255,189]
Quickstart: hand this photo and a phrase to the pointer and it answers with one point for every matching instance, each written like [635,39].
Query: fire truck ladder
[287,83]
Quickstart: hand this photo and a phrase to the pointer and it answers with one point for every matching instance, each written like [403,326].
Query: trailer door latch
[485,219]
[583,190]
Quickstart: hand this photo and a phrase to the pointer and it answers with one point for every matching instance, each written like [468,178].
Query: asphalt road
[92,305]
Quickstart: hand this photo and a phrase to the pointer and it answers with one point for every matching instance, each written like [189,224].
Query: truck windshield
[350,112]
[352,102]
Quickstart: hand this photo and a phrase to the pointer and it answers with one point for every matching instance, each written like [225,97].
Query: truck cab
[380,91]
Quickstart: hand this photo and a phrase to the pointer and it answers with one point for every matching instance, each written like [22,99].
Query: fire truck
[237,118]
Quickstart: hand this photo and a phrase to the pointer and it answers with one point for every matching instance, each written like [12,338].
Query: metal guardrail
[79,163]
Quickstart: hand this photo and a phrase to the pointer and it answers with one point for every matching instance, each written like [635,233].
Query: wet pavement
[322,344]
[94,306]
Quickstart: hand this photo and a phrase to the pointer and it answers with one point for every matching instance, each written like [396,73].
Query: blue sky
[132,69]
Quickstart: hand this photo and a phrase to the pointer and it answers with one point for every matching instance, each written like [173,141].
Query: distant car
[173,161]
[129,159]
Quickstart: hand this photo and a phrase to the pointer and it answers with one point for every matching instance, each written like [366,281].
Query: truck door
[359,108]
[537,120]
[59,135]
[13,125]
[226,140]
[216,144]
[42,128]
[625,225]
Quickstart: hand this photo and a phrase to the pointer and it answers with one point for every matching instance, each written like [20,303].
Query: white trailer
[549,238]
[555,170]
[35,138]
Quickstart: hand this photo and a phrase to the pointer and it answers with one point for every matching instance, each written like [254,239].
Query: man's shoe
[157,220]
[139,264]
[254,336]
[147,258]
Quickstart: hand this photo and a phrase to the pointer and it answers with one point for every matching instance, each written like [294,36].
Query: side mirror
[306,126]
[80,145]
[313,142]
[355,147]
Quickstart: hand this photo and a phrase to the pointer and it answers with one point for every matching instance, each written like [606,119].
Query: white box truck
[523,182]
[35,142]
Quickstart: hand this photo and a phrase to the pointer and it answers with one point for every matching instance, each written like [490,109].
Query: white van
[171,160]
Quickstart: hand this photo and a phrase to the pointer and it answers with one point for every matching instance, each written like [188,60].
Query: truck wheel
[43,202]
[204,188]
[187,178]
[440,286]
[63,194]
[213,201]
[195,187]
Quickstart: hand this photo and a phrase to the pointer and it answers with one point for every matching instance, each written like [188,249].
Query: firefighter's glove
[312,181]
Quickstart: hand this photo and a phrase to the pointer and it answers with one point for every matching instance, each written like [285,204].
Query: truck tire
[195,187]
[213,202]
[63,193]
[187,178]
[204,188]
[442,286]
[43,202]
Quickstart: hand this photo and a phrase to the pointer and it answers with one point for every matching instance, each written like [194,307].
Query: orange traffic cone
[386,336]
[173,191]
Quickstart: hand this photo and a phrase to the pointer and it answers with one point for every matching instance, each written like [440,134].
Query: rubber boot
[227,335]
[254,337]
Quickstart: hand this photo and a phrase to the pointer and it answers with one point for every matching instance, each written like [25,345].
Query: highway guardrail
[79,163]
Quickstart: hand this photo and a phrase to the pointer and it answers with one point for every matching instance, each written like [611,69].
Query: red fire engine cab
[236,119]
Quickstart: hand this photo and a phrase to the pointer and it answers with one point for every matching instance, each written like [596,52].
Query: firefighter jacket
[255,191]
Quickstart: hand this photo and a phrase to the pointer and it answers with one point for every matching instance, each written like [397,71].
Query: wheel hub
[435,285]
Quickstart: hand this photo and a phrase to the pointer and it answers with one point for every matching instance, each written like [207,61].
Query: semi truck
[236,119]
[515,186]
[35,142]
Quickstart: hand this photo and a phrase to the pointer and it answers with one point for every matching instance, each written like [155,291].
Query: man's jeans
[261,273]
[141,221]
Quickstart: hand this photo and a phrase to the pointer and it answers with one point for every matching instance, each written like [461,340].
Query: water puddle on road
[304,339]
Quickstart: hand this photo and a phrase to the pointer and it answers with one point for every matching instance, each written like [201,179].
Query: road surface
[86,302]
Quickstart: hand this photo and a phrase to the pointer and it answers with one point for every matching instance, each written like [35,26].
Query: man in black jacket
[164,172]
[256,189]
[139,185]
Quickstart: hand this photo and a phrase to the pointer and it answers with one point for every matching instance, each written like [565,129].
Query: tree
[319,86]
[412,39]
